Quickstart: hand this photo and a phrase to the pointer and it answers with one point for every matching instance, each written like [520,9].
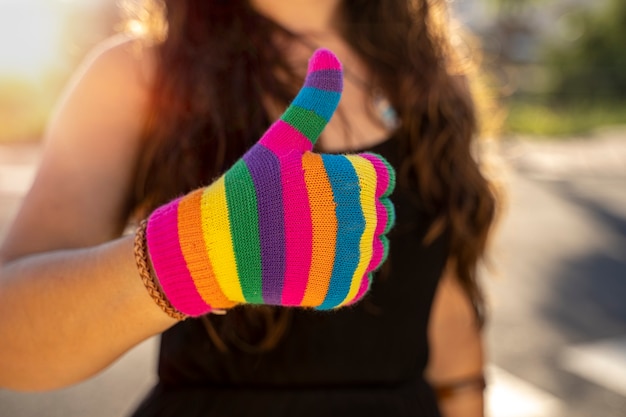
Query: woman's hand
[284,225]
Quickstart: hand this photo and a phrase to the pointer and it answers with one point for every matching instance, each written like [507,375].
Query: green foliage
[592,68]
[561,121]
[511,5]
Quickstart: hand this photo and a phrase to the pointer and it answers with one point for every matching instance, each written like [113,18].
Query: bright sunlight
[41,42]
[30,37]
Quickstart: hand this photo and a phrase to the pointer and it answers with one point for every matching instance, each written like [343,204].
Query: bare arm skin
[71,300]
[456,349]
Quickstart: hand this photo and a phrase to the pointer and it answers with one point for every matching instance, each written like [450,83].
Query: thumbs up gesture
[284,225]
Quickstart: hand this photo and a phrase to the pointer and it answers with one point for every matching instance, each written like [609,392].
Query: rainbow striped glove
[284,225]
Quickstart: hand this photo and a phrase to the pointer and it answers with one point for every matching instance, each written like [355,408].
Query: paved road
[557,333]
[559,319]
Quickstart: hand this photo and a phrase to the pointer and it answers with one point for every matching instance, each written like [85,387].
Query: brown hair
[218,61]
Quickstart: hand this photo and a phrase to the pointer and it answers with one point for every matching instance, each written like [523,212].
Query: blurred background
[556,336]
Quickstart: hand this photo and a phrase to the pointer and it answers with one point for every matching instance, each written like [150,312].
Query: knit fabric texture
[284,225]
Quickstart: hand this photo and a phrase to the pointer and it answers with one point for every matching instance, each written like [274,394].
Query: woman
[143,123]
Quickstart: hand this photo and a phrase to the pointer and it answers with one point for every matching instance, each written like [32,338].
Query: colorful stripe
[168,261]
[264,168]
[283,226]
[325,79]
[298,232]
[324,225]
[244,226]
[390,214]
[383,177]
[366,282]
[305,121]
[377,248]
[351,224]
[321,102]
[366,175]
[194,251]
[216,229]
[282,139]
[384,209]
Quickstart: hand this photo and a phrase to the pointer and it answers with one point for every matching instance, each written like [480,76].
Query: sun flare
[30,37]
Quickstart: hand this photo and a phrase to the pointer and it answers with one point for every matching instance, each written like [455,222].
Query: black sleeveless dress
[364,360]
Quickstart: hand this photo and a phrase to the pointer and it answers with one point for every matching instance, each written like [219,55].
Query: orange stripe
[195,253]
[324,223]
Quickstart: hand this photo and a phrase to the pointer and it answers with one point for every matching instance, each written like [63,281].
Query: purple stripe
[264,168]
[325,80]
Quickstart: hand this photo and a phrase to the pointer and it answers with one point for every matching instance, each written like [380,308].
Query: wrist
[146,272]
[471,384]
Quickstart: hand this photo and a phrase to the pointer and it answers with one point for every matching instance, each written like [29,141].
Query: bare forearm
[460,389]
[456,359]
[68,314]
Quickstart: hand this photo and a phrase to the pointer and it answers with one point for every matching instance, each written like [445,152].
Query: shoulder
[121,52]
[92,145]
[107,97]
[103,106]
[118,66]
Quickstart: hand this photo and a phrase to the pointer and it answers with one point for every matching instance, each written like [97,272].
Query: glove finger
[390,214]
[384,240]
[385,173]
[378,252]
[366,217]
[304,120]
[366,282]
[348,193]
[381,252]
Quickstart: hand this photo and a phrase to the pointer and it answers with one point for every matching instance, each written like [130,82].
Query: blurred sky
[35,34]
[41,42]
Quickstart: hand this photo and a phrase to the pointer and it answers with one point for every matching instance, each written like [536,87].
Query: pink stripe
[298,230]
[377,255]
[282,138]
[382,183]
[168,261]
[323,59]
[382,176]
[365,285]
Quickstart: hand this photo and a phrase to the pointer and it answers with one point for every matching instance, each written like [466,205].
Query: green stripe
[306,121]
[392,177]
[385,241]
[244,228]
[391,214]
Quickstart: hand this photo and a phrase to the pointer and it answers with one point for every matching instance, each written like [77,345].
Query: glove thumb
[304,120]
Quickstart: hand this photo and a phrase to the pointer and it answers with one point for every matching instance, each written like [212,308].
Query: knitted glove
[283,226]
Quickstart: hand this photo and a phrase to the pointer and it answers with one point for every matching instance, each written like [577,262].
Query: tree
[591,68]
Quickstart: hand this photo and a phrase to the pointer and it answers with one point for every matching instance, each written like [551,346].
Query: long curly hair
[219,60]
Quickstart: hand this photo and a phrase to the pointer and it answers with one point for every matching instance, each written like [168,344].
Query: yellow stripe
[367,181]
[216,230]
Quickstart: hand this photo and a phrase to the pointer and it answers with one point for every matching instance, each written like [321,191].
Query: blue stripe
[350,227]
[322,102]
